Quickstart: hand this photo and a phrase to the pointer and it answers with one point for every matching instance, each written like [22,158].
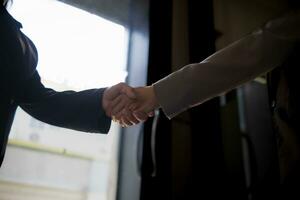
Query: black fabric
[20,85]
[288,71]
[284,99]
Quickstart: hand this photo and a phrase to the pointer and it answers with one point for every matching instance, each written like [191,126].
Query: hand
[115,98]
[140,108]
[127,118]
[145,101]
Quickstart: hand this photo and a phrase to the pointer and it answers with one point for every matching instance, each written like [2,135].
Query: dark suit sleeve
[20,81]
[80,111]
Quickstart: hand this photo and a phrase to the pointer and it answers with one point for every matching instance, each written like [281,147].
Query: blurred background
[224,148]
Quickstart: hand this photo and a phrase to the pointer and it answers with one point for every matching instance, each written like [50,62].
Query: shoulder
[11,50]
[9,30]
[286,26]
[7,21]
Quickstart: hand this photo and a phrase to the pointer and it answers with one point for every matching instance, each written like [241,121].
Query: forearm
[228,68]
[74,110]
[80,111]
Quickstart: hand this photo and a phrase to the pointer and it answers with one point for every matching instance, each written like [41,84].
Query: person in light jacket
[273,49]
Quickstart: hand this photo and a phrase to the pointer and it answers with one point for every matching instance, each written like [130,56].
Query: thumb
[129,91]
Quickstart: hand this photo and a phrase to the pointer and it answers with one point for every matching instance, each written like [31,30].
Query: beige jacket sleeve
[228,68]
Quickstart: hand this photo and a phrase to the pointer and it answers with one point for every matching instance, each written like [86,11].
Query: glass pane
[77,50]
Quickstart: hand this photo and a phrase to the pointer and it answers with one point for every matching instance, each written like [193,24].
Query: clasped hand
[127,105]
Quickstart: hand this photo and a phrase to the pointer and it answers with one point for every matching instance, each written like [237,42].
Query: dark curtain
[156,177]
[207,176]
[207,179]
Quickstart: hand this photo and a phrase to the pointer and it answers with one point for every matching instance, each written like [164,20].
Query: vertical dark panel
[207,180]
[158,186]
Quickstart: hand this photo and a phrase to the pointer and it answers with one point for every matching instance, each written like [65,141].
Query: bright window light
[77,50]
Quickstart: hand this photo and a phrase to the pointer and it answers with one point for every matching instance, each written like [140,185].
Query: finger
[119,115]
[133,106]
[141,116]
[126,114]
[132,118]
[129,91]
[121,124]
[116,100]
[124,107]
[126,122]
[128,111]
[120,105]
[113,118]
[117,120]
[113,91]
[111,105]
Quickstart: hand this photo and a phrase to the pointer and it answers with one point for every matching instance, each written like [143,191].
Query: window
[77,50]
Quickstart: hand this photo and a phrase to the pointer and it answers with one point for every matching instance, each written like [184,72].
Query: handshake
[127,105]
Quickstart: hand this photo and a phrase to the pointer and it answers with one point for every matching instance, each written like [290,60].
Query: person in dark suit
[20,85]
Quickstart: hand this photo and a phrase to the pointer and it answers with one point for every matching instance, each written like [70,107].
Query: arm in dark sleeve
[80,111]
[74,110]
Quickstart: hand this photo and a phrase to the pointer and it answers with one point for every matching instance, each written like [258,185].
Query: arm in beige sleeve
[240,62]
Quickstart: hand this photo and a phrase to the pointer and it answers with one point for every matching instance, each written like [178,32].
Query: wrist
[153,98]
[104,103]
